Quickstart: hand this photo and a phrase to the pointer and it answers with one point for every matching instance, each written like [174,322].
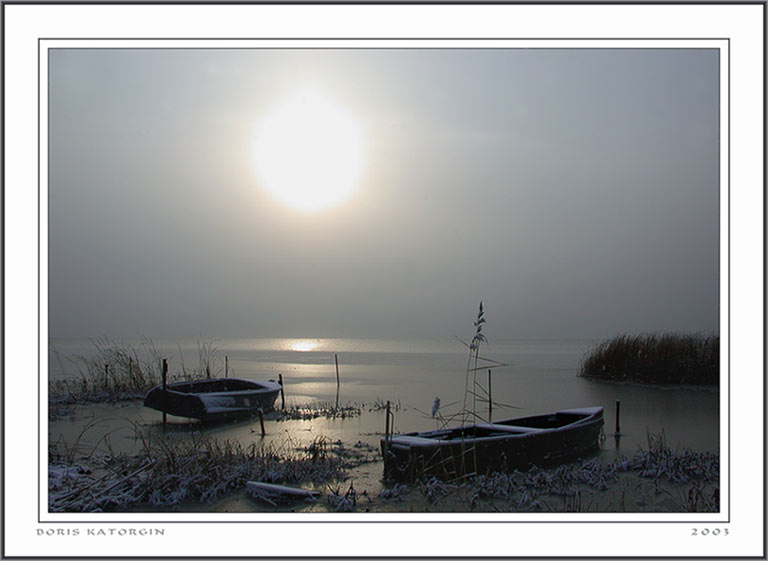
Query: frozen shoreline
[185,471]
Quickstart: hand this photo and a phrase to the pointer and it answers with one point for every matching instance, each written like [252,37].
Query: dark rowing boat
[213,399]
[498,446]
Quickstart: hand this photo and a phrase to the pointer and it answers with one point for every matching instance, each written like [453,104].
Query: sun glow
[308,152]
[303,346]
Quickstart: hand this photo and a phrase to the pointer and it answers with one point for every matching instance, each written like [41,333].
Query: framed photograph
[404,280]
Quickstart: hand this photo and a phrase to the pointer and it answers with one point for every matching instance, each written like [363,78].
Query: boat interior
[217,385]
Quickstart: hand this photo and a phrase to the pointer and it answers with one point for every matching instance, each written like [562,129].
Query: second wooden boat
[487,447]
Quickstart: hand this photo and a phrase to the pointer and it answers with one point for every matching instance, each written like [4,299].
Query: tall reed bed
[656,359]
[116,371]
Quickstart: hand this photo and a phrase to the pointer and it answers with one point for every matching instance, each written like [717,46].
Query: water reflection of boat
[213,399]
[498,446]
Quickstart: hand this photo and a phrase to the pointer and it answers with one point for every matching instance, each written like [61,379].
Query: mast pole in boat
[490,397]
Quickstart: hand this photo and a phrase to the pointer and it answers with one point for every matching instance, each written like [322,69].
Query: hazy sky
[574,191]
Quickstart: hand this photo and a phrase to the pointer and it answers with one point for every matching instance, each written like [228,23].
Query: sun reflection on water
[303,345]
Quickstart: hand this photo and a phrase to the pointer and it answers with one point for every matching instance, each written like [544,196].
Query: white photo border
[33,29]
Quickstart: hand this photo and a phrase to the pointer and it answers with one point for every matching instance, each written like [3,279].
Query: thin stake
[165,390]
[261,422]
[490,397]
[386,426]
[106,375]
[388,429]
[338,381]
[336,359]
[282,391]
[226,366]
[618,408]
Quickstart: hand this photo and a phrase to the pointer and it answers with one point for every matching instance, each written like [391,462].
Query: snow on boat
[498,446]
[259,487]
[213,399]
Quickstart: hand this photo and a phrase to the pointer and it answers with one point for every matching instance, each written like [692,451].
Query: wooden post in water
[490,397]
[618,408]
[261,422]
[165,388]
[338,381]
[336,359]
[282,391]
[226,366]
[106,376]
[387,436]
[386,430]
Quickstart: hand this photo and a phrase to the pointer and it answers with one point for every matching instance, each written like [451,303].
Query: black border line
[2,282]
[341,521]
[391,2]
[380,39]
[2,250]
[765,236]
[728,156]
[765,232]
[698,558]
[39,256]
[548,557]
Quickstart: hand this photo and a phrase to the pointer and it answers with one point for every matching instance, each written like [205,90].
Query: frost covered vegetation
[663,480]
[170,472]
[328,410]
[118,371]
[173,474]
[656,359]
[193,472]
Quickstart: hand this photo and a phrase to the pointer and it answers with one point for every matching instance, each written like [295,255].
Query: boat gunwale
[212,405]
[415,439]
[263,387]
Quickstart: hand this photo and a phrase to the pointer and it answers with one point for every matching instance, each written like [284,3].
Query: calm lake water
[540,377]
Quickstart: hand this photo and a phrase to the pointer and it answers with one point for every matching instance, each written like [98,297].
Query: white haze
[576,192]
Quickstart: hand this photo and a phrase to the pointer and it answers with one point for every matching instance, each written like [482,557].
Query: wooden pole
[618,408]
[490,397]
[261,422]
[226,366]
[385,445]
[165,388]
[106,376]
[386,429]
[282,391]
[336,359]
[338,381]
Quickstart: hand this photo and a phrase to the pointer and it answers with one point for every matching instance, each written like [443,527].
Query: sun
[309,152]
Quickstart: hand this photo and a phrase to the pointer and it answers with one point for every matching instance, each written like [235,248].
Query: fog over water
[576,192]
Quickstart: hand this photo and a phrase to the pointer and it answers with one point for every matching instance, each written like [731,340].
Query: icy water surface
[540,377]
